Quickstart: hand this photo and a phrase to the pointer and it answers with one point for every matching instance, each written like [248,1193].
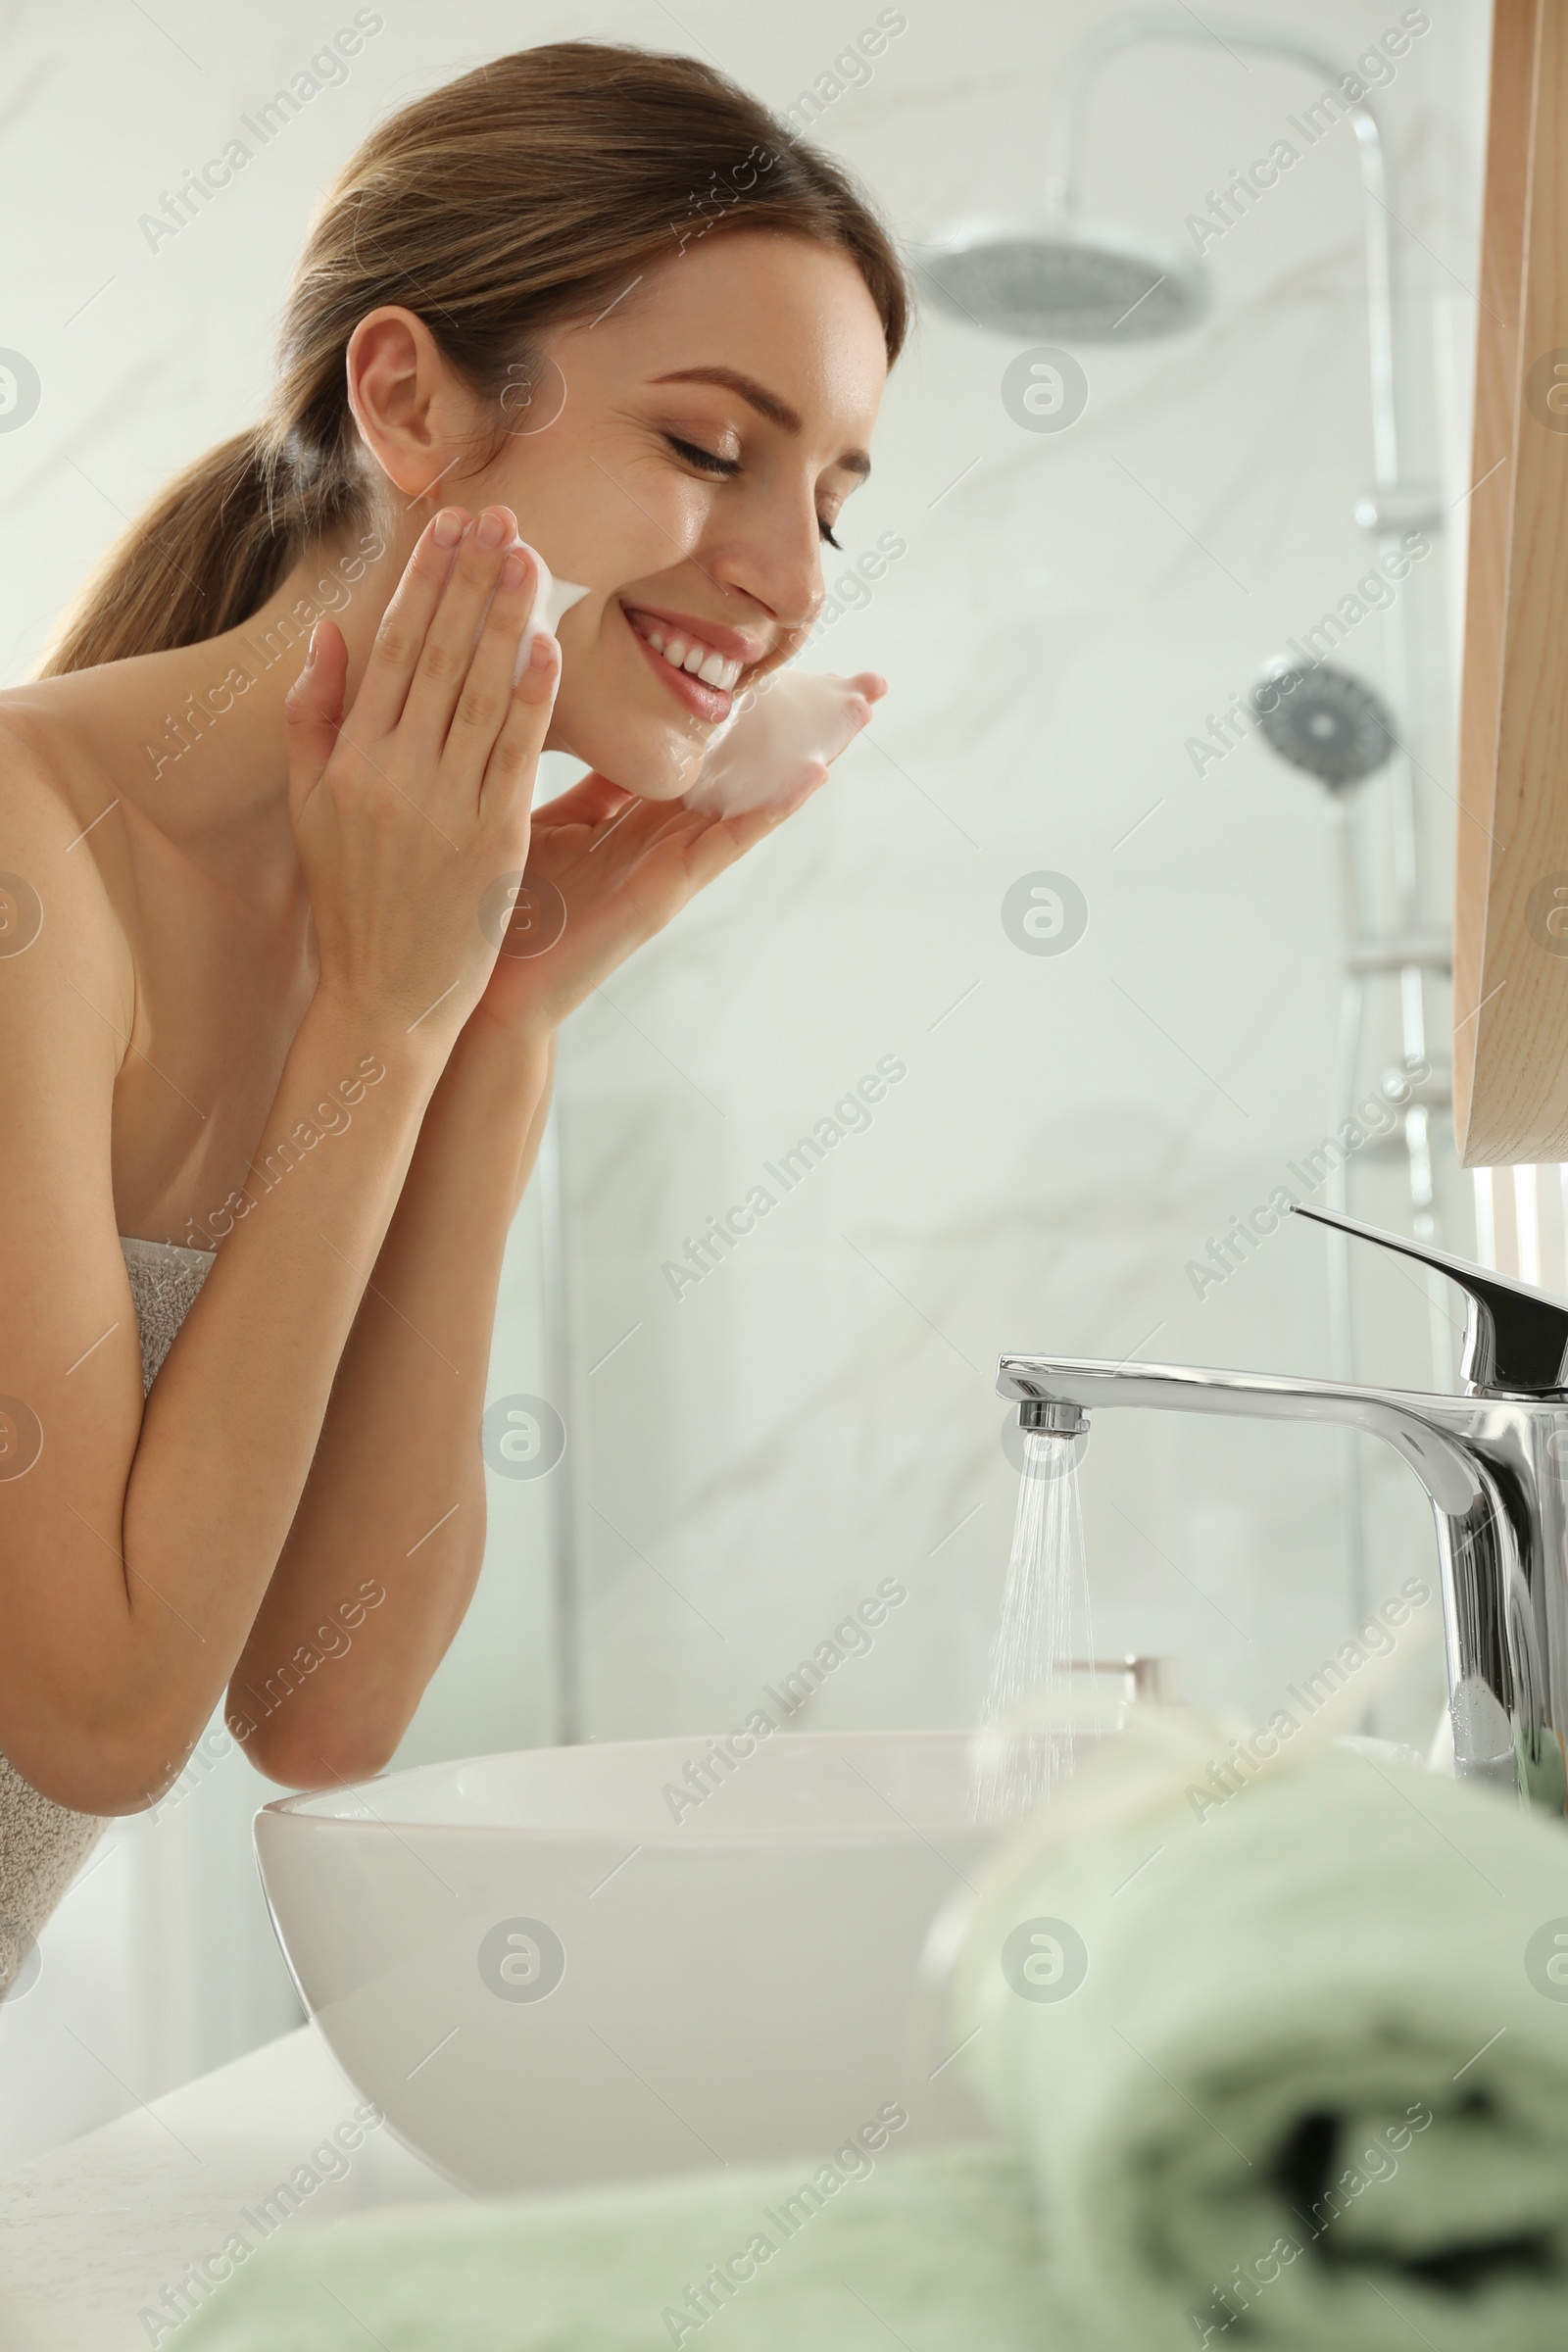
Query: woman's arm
[393,1514]
[137,1543]
[387,1541]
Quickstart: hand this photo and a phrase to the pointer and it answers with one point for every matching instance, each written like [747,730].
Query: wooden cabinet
[1511,903]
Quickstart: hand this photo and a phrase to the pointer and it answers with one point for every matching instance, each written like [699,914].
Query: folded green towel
[1285,2061]
[939,2252]
[1285,2049]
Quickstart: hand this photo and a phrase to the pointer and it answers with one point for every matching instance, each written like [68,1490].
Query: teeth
[692,656]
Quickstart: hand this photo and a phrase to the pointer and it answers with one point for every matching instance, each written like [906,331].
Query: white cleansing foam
[552,598]
[778,735]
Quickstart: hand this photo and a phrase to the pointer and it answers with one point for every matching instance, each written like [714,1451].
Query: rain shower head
[1325,720]
[1086,281]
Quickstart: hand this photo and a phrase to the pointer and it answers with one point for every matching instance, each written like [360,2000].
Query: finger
[660,879]
[623,847]
[728,838]
[809,777]
[451,639]
[513,761]
[724,841]
[378,705]
[312,708]
[857,715]
[486,692]
[812,780]
[871,684]
[592,801]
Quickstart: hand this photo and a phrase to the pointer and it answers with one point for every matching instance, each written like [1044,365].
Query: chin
[642,754]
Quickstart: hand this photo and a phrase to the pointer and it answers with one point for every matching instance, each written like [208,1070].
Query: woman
[253,1016]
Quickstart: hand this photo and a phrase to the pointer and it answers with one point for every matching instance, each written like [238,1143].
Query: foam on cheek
[552,598]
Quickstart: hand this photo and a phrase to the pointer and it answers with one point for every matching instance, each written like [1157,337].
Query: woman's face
[685,455]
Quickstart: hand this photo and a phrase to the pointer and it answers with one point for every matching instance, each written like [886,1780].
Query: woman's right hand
[415,804]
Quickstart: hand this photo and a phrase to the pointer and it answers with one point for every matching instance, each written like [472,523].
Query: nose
[770,556]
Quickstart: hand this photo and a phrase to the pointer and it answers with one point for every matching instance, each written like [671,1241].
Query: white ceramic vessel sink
[542,1976]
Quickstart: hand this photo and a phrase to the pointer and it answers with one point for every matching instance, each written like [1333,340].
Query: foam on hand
[552,598]
[782,736]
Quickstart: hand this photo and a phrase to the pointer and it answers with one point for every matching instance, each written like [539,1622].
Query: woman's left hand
[606,870]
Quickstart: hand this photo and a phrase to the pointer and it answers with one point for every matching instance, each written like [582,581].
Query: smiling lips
[700,671]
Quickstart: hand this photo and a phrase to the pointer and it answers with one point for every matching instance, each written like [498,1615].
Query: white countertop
[93,2234]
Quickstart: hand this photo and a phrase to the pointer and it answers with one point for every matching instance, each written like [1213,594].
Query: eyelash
[708,461]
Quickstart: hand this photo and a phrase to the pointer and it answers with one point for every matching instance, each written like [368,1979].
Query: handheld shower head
[1084,281]
[1325,720]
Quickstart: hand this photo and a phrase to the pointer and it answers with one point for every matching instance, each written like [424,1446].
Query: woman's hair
[527,195]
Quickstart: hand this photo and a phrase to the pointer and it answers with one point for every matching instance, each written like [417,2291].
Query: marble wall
[817,1412]
[1057,1136]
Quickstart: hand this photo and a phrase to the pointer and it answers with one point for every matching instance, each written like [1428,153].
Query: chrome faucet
[1494,1462]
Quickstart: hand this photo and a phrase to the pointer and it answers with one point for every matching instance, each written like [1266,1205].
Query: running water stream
[1026,1733]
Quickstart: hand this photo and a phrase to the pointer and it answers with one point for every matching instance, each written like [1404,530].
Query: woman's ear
[410,410]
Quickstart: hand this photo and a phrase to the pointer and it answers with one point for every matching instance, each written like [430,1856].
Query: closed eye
[708,461]
[706,458]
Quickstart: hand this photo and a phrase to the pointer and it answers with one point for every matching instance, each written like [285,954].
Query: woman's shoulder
[41,761]
[53,796]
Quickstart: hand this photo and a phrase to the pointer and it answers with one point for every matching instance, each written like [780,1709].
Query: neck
[195,736]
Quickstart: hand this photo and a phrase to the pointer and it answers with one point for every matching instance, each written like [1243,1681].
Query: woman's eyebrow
[766,403]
